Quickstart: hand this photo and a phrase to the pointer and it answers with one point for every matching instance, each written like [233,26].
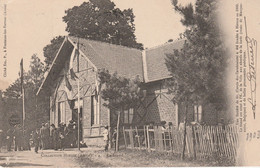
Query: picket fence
[201,141]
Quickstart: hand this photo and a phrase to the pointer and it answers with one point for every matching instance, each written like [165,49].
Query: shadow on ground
[22,165]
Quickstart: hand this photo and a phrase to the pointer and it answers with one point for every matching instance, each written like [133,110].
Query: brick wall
[156,107]
[87,88]
[162,108]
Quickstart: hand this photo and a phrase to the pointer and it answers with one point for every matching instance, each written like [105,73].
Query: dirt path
[47,158]
[96,157]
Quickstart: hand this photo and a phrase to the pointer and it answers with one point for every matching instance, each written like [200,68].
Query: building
[148,65]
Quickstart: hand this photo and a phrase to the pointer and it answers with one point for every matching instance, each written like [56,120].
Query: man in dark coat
[36,140]
[18,137]
[55,137]
[61,136]
[43,136]
[47,136]
[26,138]
[70,134]
[9,138]
[114,138]
[51,136]
[1,138]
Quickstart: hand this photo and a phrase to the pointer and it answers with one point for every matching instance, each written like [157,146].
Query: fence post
[145,139]
[184,137]
[124,136]
[131,137]
[194,142]
[170,139]
[148,139]
[138,137]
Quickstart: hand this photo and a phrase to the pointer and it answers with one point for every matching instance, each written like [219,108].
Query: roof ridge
[165,44]
[131,48]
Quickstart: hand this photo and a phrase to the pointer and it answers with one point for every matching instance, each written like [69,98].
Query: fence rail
[201,141]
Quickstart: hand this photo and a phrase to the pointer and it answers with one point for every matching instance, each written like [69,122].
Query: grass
[142,158]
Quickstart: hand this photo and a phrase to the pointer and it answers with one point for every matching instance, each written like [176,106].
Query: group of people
[106,138]
[16,136]
[50,137]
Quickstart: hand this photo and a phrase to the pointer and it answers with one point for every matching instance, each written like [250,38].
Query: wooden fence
[201,141]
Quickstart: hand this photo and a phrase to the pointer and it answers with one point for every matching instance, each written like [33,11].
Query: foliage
[119,92]
[36,71]
[12,96]
[198,70]
[50,50]
[100,20]
[96,20]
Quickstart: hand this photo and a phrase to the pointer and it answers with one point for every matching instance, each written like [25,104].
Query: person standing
[1,138]
[75,134]
[69,134]
[55,137]
[51,136]
[42,136]
[18,137]
[114,137]
[61,136]
[9,138]
[47,136]
[26,144]
[106,139]
[36,140]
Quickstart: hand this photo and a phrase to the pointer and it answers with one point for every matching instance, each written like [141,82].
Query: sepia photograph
[129,83]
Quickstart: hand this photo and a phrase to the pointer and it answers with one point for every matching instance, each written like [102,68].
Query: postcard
[129,83]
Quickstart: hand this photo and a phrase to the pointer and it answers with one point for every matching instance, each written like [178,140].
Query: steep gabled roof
[51,75]
[149,64]
[155,60]
[125,61]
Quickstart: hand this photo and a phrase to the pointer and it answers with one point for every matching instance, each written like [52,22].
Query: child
[114,137]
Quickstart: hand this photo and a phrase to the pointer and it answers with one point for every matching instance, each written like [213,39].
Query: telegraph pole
[78,96]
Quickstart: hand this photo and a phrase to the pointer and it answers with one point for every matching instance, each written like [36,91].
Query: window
[61,112]
[128,116]
[94,110]
[197,113]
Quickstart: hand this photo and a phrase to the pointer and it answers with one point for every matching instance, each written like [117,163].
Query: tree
[12,96]
[198,69]
[100,20]
[50,50]
[119,94]
[36,105]
[36,71]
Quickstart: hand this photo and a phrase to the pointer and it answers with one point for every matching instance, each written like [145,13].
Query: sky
[31,24]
